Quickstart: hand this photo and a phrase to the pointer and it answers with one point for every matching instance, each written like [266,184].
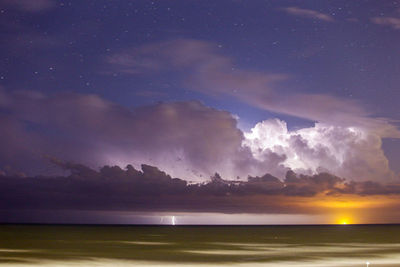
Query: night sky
[291,107]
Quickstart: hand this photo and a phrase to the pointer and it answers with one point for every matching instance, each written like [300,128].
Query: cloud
[308,13]
[180,54]
[189,139]
[387,21]
[349,152]
[150,189]
[208,71]
[29,5]
[185,138]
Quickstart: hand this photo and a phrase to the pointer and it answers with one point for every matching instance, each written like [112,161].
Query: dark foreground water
[57,245]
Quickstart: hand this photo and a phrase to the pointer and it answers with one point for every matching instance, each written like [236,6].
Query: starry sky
[238,88]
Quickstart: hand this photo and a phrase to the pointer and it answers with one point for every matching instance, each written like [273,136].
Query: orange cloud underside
[343,209]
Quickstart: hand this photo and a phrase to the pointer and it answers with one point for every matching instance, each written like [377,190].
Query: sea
[141,245]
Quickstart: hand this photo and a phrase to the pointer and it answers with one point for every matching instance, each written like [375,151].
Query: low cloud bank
[150,189]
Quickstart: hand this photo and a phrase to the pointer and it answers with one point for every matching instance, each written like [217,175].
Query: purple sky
[198,87]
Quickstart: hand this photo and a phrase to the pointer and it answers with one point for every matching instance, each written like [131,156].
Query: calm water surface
[61,245]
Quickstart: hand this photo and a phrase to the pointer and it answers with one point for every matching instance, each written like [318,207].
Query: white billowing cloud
[349,152]
[308,13]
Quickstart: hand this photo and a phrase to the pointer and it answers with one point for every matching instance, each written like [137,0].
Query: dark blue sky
[348,50]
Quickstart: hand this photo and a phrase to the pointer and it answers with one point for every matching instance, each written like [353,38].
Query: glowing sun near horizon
[343,221]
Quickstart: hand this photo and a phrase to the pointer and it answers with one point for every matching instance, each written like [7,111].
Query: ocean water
[71,245]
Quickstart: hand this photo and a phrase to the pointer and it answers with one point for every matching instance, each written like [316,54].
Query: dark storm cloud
[150,189]
[185,138]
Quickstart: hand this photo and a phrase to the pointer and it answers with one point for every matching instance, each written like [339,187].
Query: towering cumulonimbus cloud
[349,152]
[345,140]
[188,139]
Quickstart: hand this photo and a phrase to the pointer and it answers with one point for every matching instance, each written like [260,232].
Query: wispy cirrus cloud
[208,71]
[387,21]
[308,13]
[29,5]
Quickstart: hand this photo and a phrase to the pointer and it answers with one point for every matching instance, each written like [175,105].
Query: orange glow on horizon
[344,209]
[344,221]
[352,202]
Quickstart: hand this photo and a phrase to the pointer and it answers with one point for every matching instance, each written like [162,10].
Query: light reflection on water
[392,261]
[310,246]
